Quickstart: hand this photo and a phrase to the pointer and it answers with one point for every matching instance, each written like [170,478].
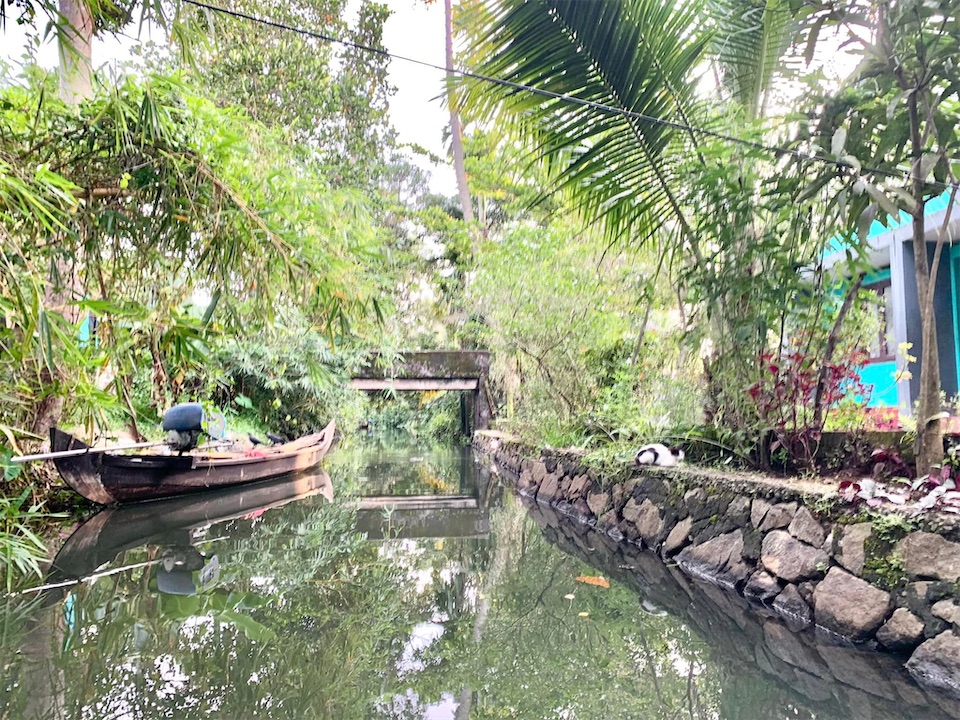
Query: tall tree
[164,194]
[895,124]
[333,103]
[75,41]
[456,131]
[76,22]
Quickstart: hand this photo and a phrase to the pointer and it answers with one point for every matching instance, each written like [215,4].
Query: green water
[457,600]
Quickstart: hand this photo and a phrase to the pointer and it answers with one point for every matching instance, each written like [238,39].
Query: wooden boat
[114,477]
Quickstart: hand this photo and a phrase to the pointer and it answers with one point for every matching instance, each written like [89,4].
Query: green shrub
[430,415]
[291,381]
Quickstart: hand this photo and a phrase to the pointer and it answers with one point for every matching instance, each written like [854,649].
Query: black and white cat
[657,454]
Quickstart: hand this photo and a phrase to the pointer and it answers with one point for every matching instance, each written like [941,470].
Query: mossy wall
[785,545]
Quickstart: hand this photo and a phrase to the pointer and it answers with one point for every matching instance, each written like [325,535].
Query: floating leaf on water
[593,580]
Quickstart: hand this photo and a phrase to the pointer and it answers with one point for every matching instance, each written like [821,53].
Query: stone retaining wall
[782,545]
[815,677]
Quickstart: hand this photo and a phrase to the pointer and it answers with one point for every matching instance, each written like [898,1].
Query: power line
[774,149]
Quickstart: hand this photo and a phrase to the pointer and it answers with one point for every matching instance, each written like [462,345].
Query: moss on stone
[883,566]
[891,527]
[886,572]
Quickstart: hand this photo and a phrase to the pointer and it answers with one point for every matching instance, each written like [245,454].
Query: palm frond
[635,56]
[750,43]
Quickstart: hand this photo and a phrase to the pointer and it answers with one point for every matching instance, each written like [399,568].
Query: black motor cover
[187,417]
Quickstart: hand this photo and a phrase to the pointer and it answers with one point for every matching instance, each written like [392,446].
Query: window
[883,347]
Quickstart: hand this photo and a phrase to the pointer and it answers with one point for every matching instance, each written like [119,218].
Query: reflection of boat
[118,478]
[172,522]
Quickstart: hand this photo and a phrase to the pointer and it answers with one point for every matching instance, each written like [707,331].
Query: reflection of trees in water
[27,676]
[760,668]
[307,620]
[530,653]
[395,465]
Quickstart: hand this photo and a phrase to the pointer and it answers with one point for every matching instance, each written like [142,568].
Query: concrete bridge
[423,516]
[456,370]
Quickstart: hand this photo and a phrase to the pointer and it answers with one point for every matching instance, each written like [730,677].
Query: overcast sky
[414,29]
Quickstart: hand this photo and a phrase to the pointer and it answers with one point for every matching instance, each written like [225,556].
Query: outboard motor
[183,424]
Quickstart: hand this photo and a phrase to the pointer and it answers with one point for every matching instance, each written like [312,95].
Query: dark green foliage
[290,378]
[430,415]
[159,199]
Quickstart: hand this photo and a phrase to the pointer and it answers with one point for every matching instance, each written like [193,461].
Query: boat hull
[115,478]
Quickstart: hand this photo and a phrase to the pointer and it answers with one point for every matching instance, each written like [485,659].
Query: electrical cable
[774,149]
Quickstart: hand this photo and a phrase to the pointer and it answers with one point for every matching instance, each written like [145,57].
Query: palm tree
[456,137]
[614,114]
[750,49]
[636,57]
[640,61]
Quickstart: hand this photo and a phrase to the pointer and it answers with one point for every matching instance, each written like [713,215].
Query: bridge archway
[458,370]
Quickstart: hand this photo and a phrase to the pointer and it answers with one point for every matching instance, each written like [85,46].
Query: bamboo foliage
[136,202]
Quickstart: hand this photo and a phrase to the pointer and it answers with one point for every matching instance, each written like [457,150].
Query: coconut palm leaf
[750,45]
[635,56]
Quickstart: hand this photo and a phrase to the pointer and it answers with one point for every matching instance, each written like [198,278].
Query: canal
[424,589]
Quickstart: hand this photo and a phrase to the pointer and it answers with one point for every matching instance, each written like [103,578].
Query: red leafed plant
[794,395]
[883,418]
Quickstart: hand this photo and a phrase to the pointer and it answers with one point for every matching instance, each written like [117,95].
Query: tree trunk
[455,135]
[929,427]
[42,678]
[76,57]
[819,411]
[75,49]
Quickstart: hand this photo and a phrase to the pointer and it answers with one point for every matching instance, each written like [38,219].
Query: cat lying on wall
[657,454]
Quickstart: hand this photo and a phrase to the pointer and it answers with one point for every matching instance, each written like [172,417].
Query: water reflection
[397,464]
[433,617]
[178,525]
[418,491]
